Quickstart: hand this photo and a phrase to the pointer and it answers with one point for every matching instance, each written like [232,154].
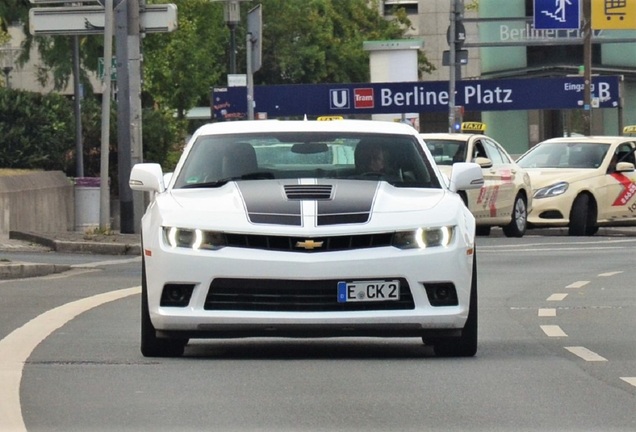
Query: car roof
[450,136]
[247,126]
[606,139]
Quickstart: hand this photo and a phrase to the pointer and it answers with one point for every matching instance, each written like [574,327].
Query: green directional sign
[113,68]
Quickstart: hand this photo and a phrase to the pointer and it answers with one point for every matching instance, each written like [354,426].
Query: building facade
[502,42]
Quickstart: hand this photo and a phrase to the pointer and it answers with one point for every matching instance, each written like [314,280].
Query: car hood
[542,177]
[307,205]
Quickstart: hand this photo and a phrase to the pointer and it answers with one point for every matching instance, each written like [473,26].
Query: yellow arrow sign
[613,14]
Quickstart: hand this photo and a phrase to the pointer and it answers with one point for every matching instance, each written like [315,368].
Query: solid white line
[578,284]
[18,345]
[547,312]
[109,262]
[557,297]
[630,380]
[585,354]
[553,331]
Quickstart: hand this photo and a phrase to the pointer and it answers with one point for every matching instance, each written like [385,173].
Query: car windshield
[216,159]
[564,155]
[447,152]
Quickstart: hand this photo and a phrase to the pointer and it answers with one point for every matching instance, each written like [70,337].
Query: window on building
[410,6]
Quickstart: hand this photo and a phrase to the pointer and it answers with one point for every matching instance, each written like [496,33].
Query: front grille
[282,295]
[300,244]
[308,192]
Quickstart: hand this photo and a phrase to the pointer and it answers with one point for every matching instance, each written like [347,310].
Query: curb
[101,248]
[19,270]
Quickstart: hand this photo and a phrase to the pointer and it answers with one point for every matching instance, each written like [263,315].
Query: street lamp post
[232,15]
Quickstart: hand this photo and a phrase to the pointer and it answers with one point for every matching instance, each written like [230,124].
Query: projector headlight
[193,238]
[422,238]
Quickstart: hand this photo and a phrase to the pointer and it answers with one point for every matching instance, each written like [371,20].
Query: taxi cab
[582,183]
[505,198]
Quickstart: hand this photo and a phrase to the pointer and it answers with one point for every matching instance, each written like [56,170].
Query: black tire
[482,230]
[466,344]
[582,217]
[519,221]
[151,345]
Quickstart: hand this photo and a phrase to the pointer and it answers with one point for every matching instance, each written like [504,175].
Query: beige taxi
[505,198]
[582,183]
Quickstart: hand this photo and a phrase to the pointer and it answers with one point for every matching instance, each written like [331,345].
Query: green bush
[35,129]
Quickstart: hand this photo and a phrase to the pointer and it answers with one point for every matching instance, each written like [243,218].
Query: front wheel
[519,221]
[151,345]
[466,344]
[582,217]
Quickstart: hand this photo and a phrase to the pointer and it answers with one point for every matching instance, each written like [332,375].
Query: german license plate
[366,291]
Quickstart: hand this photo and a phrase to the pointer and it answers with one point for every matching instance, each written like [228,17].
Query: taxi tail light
[441,294]
[176,295]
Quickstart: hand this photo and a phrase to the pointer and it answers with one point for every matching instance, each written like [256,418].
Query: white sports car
[275,228]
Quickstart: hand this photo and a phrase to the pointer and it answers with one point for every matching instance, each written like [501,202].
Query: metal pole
[136,154]
[250,78]
[451,69]
[104,192]
[77,90]
[587,65]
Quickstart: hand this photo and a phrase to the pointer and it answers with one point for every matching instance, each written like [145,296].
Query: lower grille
[282,295]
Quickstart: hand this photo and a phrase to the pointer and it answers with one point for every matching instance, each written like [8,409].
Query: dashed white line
[547,312]
[553,331]
[608,274]
[557,297]
[585,354]
[578,284]
[630,380]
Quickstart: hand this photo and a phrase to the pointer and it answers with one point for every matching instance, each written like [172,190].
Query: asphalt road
[557,352]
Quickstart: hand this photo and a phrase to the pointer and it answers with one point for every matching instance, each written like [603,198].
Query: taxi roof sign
[330,117]
[631,129]
[473,127]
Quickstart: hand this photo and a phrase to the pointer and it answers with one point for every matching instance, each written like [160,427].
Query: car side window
[494,154]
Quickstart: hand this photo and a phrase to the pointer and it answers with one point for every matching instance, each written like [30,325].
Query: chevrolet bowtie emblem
[309,244]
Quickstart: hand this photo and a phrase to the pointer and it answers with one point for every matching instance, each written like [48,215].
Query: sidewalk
[65,242]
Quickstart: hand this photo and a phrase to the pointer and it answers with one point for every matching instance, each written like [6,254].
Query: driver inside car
[370,158]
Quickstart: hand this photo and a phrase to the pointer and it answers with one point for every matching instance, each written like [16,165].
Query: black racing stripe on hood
[266,203]
[351,203]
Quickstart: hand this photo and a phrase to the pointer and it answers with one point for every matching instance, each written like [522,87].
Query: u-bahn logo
[339,99]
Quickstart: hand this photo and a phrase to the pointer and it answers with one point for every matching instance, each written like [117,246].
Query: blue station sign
[415,97]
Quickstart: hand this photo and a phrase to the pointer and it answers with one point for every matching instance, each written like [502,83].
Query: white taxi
[505,198]
[582,183]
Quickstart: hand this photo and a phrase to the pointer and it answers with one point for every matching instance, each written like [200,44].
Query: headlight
[424,238]
[552,190]
[193,238]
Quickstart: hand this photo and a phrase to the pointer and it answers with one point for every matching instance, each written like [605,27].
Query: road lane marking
[557,297]
[608,274]
[585,354]
[547,312]
[109,262]
[578,284]
[18,345]
[630,380]
[553,331]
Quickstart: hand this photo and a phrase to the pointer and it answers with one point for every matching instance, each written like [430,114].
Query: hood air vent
[308,192]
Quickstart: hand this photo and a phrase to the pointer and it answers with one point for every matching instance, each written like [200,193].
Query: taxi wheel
[519,221]
[583,217]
